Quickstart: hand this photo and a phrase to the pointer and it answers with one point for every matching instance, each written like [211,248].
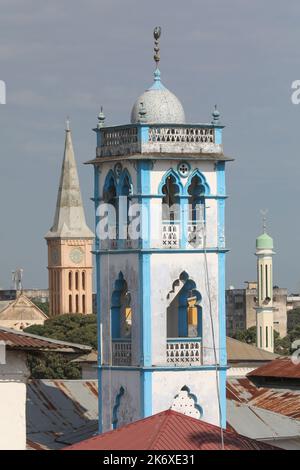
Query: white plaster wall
[166,385]
[110,266]
[112,381]
[165,269]
[13,377]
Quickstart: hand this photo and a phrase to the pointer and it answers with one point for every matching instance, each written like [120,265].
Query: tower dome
[160,106]
[264,242]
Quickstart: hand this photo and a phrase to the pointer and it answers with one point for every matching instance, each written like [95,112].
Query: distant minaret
[264,309]
[69,244]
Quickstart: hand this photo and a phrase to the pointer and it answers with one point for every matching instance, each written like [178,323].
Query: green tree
[293,319]
[246,336]
[52,366]
[75,328]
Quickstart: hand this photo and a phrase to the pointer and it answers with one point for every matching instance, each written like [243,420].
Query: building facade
[160,257]
[241,313]
[69,244]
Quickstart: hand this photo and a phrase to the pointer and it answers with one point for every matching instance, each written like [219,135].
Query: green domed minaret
[264,308]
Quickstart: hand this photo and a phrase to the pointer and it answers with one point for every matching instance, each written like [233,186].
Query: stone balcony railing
[170,237]
[184,351]
[155,138]
[121,352]
[179,351]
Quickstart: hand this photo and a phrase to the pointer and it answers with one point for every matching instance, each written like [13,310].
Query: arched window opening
[76,280]
[171,201]
[111,199]
[196,191]
[184,313]
[83,280]
[70,304]
[83,304]
[121,310]
[70,280]
[77,303]
[125,190]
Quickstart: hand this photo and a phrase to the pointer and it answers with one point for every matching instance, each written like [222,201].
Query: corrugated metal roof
[60,412]
[279,400]
[280,368]
[19,340]
[169,430]
[259,423]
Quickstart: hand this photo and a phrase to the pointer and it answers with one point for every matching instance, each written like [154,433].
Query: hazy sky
[68,57]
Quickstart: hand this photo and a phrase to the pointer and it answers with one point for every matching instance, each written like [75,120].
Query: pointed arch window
[171,200]
[111,199]
[196,192]
[124,192]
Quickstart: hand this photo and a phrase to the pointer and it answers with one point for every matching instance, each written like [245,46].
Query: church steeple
[69,219]
[69,244]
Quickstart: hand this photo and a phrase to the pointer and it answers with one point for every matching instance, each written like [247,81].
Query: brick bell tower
[69,244]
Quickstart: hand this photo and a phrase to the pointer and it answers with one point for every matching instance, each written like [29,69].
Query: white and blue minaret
[160,262]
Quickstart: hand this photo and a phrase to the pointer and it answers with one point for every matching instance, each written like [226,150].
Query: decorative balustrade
[119,136]
[170,235]
[181,134]
[184,351]
[121,352]
[144,138]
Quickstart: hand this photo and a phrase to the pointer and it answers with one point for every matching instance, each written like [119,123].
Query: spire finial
[101,118]
[264,219]
[68,123]
[156,35]
[215,116]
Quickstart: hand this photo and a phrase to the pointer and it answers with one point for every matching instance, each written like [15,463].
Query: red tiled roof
[169,430]
[25,341]
[279,368]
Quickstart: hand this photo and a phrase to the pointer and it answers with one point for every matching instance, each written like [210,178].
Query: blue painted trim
[98,294]
[218,135]
[170,368]
[220,168]
[222,309]
[222,385]
[161,250]
[159,196]
[144,133]
[146,393]
[143,183]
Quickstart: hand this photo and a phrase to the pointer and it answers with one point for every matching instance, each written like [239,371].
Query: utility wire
[213,334]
